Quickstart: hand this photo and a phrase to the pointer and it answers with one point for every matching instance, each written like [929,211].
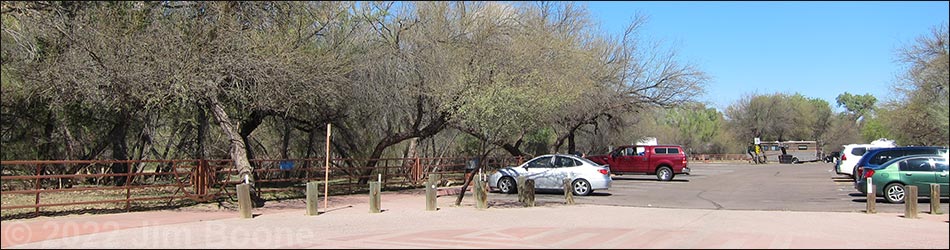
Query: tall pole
[326,173]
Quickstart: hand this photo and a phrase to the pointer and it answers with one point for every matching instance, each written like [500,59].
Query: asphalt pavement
[404,223]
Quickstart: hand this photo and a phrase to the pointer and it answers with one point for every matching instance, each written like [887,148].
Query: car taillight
[844,157]
[602,171]
[868,172]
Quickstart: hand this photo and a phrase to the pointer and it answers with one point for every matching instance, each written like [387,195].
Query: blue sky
[818,49]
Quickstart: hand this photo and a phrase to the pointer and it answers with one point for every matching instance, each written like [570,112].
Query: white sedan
[549,171]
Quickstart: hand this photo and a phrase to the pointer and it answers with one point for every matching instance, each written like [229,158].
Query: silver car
[549,171]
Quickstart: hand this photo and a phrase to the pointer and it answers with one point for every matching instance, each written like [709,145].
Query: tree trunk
[431,129]
[120,147]
[481,162]
[470,174]
[311,141]
[569,136]
[46,147]
[69,141]
[237,150]
[141,150]
[248,126]
[374,158]
[514,150]
[285,142]
[203,125]
[571,147]
[411,151]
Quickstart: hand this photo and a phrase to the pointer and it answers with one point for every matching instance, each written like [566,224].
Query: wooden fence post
[520,186]
[529,193]
[935,199]
[910,201]
[568,191]
[374,198]
[128,187]
[431,193]
[313,193]
[244,200]
[38,185]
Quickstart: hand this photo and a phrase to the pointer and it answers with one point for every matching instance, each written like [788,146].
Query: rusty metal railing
[35,185]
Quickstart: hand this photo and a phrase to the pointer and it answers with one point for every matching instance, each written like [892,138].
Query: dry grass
[89,196]
[226,198]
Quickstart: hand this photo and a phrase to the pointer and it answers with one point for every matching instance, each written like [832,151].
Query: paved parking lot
[740,186]
[720,206]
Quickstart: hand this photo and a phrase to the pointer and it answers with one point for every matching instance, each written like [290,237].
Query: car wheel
[581,187]
[894,193]
[664,174]
[507,185]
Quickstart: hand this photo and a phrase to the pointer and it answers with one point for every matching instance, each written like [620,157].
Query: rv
[797,151]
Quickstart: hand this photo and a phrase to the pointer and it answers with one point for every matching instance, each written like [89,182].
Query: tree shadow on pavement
[651,179]
[516,204]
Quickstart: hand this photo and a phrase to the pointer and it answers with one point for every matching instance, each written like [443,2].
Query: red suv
[664,161]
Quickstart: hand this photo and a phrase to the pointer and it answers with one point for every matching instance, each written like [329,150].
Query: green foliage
[858,105]
[539,140]
[696,126]
[503,112]
[468,145]
[920,116]
[874,129]
[779,117]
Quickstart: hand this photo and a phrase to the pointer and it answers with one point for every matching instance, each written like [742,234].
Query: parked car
[664,161]
[832,157]
[549,171]
[875,157]
[852,153]
[918,170]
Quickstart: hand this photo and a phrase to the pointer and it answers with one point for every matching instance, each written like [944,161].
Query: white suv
[852,154]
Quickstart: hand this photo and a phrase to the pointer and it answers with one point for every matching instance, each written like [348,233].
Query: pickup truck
[664,161]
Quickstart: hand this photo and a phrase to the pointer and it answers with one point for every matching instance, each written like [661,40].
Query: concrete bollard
[431,193]
[910,201]
[374,198]
[313,198]
[935,199]
[529,193]
[568,191]
[481,199]
[520,187]
[244,200]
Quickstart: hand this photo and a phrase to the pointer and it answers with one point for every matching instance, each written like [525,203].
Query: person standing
[751,151]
